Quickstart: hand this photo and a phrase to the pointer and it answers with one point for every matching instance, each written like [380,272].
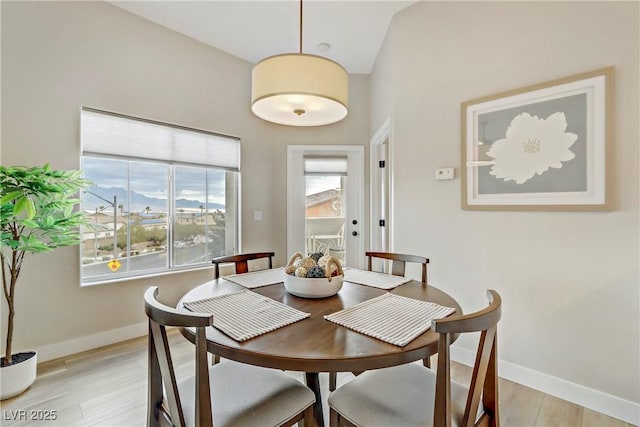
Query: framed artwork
[541,147]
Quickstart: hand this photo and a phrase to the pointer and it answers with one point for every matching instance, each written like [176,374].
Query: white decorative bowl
[313,288]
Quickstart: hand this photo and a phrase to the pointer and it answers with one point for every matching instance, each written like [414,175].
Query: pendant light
[298,89]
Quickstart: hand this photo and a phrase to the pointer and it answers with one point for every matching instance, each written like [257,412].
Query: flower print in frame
[542,147]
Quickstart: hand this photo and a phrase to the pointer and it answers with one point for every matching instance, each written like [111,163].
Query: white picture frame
[540,147]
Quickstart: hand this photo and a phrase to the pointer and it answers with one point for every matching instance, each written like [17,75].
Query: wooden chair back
[399,262]
[484,379]
[241,261]
[161,373]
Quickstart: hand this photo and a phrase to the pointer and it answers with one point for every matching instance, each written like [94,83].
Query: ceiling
[253,30]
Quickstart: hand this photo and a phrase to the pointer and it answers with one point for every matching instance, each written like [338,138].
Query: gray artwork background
[573,174]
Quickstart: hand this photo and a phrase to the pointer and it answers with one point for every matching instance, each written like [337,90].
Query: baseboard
[598,401]
[89,342]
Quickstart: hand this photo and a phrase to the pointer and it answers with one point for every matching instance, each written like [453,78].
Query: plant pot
[16,378]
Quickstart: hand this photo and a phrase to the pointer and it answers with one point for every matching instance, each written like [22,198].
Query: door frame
[382,134]
[295,205]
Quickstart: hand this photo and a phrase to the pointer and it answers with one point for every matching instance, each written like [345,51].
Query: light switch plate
[444,174]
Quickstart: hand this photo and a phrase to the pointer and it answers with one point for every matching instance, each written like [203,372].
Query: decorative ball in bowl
[315,276]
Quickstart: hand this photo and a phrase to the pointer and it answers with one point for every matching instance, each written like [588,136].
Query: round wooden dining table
[316,345]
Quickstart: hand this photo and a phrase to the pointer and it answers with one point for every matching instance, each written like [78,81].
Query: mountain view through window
[150,217]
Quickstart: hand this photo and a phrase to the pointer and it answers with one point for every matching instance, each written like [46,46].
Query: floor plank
[519,405]
[555,412]
[596,419]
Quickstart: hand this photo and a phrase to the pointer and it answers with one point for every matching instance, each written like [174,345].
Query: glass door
[325,199]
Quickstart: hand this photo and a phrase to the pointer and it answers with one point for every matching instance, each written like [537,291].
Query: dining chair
[398,262]
[337,248]
[228,393]
[241,261]
[410,395]
[398,268]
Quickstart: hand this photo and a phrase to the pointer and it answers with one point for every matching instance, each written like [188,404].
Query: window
[164,198]
[325,184]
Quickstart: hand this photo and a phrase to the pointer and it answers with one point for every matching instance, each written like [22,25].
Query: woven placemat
[374,278]
[391,318]
[255,279]
[245,314]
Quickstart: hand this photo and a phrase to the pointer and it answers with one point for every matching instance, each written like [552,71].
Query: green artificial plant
[37,215]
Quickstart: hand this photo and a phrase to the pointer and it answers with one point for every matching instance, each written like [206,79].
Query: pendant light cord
[300,26]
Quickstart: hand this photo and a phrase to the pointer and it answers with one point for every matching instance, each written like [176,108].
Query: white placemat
[255,279]
[245,314]
[391,318]
[373,278]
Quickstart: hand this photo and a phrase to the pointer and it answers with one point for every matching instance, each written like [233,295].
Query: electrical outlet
[444,174]
[257,215]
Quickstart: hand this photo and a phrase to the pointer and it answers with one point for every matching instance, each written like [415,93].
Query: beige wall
[569,280]
[382,81]
[60,56]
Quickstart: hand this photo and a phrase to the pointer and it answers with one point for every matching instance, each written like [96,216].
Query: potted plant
[36,215]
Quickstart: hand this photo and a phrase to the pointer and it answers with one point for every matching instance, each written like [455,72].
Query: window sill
[104,281]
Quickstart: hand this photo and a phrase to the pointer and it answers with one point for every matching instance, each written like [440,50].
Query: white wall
[569,280]
[60,56]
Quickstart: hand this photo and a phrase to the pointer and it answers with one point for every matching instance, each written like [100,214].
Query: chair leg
[333,378]
[215,359]
[333,418]
[154,384]
[427,362]
[308,419]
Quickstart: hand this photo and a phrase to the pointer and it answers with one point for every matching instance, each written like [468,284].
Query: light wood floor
[107,387]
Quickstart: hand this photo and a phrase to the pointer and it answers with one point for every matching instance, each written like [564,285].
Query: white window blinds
[316,165]
[115,134]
